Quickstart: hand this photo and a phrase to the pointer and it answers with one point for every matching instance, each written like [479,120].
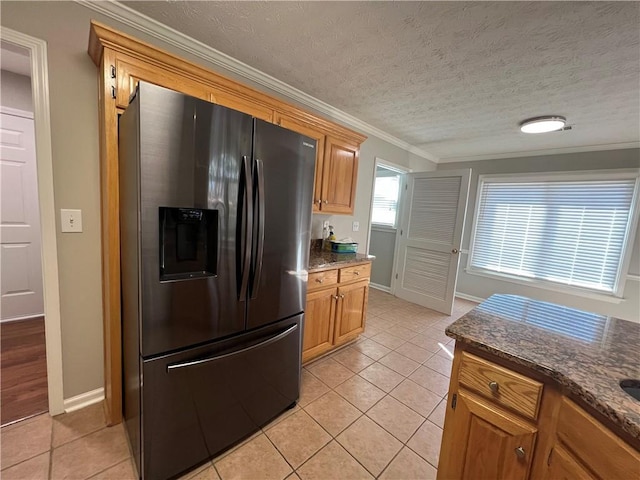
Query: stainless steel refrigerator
[215,214]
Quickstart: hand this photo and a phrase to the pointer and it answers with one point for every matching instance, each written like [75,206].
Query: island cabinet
[507,424]
[336,308]
[122,62]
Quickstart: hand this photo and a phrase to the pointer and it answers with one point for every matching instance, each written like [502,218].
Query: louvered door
[431,236]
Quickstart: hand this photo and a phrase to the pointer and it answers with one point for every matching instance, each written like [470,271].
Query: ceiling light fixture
[549,123]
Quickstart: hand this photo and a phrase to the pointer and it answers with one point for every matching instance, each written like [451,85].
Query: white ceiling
[451,78]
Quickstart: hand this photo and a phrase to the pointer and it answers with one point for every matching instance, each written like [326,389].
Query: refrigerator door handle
[268,341]
[255,285]
[247,225]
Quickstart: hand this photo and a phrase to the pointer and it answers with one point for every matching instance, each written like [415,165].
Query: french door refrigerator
[215,213]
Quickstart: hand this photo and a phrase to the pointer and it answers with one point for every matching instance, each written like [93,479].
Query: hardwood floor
[23,369]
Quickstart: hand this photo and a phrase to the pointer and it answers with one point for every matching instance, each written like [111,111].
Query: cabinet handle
[356,272]
[326,201]
[319,202]
[342,295]
[335,297]
[319,280]
[494,387]
[520,453]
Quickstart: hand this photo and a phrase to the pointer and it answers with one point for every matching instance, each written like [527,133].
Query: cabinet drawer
[322,279]
[359,272]
[512,390]
[602,451]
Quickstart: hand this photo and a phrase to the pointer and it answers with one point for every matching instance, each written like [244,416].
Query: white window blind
[569,232]
[385,197]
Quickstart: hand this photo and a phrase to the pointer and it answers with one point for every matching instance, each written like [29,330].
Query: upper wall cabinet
[122,62]
[339,176]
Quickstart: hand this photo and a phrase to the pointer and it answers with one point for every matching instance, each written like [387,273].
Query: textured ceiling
[452,78]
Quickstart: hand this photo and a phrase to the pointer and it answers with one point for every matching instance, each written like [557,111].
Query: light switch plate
[71,220]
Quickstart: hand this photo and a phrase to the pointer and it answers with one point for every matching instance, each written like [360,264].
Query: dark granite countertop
[323,260]
[587,353]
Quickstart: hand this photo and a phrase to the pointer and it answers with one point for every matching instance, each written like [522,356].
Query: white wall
[15,91]
[484,287]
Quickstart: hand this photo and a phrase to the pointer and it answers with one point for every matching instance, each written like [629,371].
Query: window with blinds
[562,230]
[386,195]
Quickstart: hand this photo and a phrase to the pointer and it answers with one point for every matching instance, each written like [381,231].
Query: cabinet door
[563,466]
[130,71]
[241,104]
[308,130]
[340,172]
[352,310]
[319,318]
[484,441]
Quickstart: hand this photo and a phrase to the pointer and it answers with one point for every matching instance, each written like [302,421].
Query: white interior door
[431,236]
[20,253]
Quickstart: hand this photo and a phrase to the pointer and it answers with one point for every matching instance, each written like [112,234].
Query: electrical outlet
[71,221]
[356,226]
[325,224]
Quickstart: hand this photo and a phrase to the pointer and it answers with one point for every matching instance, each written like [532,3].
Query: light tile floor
[374,409]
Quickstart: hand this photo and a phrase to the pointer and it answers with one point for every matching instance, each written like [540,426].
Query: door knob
[520,453]
[454,251]
[494,387]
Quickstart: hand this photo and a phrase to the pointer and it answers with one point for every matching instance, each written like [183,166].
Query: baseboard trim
[380,287]
[83,400]
[471,298]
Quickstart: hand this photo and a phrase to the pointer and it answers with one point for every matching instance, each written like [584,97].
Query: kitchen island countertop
[587,353]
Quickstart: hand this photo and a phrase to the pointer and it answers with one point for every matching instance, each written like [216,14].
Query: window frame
[563,176]
[401,171]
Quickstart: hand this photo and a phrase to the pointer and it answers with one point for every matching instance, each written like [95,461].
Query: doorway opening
[388,186]
[30,302]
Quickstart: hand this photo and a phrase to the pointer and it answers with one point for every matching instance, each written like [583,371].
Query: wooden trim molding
[122,60]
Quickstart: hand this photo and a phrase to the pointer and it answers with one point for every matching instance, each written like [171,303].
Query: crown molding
[538,153]
[170,36]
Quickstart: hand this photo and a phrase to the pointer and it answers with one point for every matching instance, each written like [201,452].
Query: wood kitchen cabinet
[122,61]
[336,308]
[339,176]
[503,424]
[487,442]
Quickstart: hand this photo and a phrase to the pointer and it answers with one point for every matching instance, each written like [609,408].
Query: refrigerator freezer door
[191,153]
[283,167]
[199,402]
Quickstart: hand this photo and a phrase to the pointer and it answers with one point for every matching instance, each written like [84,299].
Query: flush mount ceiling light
[549,123]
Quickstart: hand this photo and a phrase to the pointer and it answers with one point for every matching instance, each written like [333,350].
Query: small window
[571,230]
[386,195]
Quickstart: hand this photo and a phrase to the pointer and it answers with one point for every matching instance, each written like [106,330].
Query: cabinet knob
[326,201]
[520,453]
[342,295]
[356,272]
[454,251]
[335,297]
[494,387]
[319,280]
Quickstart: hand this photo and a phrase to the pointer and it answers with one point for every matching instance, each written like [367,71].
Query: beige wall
[15,91]
[74,119]
[484,287]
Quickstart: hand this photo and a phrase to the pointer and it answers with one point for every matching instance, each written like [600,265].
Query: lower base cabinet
[502,424]
[336,309]
[489,441]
